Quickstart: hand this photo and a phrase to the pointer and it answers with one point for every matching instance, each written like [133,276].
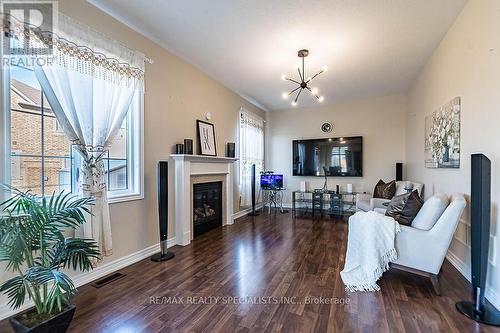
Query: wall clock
[326,127]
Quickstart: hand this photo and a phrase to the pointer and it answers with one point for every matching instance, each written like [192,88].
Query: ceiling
[373,47]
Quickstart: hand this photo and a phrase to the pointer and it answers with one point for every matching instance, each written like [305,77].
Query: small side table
[273,196]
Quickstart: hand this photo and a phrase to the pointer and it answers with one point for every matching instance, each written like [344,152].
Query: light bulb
[285,95]
[294,103]
[283,77]
[314,91]
[324,68]
[321,99]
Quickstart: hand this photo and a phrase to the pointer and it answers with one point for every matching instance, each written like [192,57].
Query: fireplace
[190,170]
[207,207]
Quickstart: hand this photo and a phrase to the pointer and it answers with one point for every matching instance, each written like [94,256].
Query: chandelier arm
[320,72]
[294,90]
[312,93]
[300,75]
[298,94]
[292,80]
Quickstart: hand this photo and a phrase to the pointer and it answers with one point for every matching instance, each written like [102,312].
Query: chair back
[447,223]
[400,187]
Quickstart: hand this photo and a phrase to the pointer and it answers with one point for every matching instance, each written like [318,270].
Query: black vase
[179,148]
[446,154]
[57,324]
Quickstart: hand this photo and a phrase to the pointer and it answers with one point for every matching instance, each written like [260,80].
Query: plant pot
[59,323]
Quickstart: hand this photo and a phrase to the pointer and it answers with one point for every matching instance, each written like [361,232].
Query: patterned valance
[77,47]
[248,119]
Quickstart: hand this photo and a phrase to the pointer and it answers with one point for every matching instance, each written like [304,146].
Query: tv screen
[271,181]
[338,157]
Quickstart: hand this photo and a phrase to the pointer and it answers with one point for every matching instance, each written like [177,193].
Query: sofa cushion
[403,208]
[380,210]
[384,190]
[431,211]
[364,205]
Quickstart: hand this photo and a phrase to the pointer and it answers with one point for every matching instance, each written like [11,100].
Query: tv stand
[324,203]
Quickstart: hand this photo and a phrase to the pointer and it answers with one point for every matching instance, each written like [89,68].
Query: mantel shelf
[203,158]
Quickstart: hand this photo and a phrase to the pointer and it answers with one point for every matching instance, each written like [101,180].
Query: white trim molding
[244,212]
[465,270]
[97,273]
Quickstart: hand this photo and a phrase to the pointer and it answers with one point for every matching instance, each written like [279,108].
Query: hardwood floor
[279,259]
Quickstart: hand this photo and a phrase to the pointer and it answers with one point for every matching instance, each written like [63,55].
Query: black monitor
[337,157]
[271,181]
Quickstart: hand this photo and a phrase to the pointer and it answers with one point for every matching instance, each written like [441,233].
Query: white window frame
[4,129]
[135,150]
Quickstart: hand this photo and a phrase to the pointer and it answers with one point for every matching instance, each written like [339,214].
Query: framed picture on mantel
[206,138]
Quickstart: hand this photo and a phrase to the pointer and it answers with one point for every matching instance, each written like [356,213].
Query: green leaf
[61,286]
[16,290]
[75,253]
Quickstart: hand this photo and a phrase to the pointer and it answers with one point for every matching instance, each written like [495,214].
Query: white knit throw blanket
[370,248]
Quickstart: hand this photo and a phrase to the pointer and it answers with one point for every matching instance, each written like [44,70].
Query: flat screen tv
[337,157]
[271,181]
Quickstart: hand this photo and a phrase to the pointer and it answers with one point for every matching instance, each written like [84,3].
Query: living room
[293,112]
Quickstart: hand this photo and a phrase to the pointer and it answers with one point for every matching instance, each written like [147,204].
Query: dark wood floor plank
[276,257]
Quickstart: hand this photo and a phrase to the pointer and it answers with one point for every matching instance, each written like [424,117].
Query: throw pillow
[385,190]
[403,208]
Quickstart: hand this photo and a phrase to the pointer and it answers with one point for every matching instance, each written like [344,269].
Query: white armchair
[423,251]
[366,202]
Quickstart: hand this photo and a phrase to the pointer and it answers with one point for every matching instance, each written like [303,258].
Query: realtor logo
[25,27]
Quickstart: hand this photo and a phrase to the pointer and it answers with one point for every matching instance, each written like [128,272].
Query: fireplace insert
[207,207]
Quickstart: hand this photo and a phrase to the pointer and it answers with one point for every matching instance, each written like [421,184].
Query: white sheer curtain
[90,85]
[251,147]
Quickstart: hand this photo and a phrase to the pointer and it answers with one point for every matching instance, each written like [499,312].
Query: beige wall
[380,120]
[176,95]
[466,64]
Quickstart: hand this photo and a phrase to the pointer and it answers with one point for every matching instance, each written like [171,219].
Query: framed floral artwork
[442,136]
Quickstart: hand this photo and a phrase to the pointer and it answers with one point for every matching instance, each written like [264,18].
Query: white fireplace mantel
[187,166]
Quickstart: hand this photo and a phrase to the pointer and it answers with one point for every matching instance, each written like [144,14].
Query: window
[44,161]
[251,151]
[338,158]
[57,127]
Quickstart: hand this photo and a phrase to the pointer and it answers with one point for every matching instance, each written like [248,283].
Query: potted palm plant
[36,248]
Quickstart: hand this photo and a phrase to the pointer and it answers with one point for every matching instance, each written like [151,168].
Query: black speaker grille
[163,198]
[480,217]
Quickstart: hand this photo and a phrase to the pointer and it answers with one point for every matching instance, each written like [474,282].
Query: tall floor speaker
[480,236]
[399,172]
[252,187]
[163,212]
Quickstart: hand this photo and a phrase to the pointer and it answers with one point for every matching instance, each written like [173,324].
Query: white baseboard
[244,212]
[465,270]
[97,273]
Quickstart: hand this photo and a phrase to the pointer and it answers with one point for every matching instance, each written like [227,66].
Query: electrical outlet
[493,250]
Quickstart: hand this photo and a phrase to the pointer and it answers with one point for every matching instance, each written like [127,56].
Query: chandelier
[302,81]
